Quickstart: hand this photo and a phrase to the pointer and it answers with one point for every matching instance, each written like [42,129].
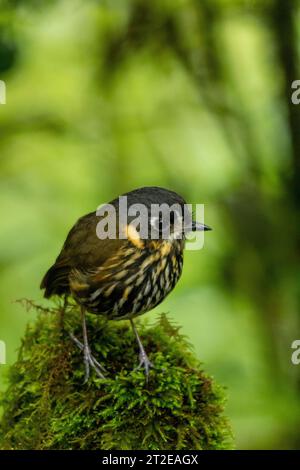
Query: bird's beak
[199,227]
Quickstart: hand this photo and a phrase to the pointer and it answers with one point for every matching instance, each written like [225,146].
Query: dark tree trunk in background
[284,22]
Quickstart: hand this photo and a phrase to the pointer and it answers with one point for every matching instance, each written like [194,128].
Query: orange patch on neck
[133,236]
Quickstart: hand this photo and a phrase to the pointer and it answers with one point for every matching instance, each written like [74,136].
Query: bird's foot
[144,362]
[89,360]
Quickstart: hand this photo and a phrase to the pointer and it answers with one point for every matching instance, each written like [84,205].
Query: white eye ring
[153,222]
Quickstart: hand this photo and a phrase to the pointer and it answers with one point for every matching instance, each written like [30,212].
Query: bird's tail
[56,280]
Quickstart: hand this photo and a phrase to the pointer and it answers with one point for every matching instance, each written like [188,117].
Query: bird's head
[156,213]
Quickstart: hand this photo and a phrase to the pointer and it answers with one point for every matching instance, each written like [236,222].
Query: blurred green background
[107,96]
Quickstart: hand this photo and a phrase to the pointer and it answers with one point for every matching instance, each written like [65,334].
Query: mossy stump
[47,406]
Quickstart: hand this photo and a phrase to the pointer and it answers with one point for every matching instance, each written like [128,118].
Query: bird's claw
[89,360]
[144,362]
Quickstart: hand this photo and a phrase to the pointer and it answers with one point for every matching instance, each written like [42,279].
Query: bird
[126,275]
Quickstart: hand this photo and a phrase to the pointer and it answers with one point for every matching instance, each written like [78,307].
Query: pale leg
[144,360]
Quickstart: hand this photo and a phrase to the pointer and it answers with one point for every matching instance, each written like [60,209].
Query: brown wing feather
[82,250]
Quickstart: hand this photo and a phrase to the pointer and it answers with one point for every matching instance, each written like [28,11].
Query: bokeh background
[107,96]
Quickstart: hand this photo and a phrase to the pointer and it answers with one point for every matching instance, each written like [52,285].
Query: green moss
[47,406]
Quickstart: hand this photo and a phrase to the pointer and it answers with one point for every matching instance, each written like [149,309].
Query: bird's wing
[83,247]
[82,250]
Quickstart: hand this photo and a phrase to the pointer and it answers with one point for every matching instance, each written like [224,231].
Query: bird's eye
[161,225]
[157,223]
[154,222]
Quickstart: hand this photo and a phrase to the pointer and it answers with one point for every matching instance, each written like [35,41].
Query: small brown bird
[128,274]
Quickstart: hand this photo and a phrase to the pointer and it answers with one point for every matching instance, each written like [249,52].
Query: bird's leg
[63,311]
[144,360]
[81,347]
[89,360]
